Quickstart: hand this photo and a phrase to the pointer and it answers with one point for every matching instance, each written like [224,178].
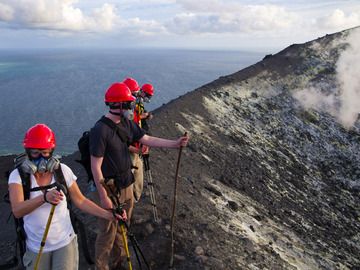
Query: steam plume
[344,101]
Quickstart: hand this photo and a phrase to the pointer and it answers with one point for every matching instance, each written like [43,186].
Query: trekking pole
[136,248]
[126,246]
[174,207]
[43,240]
[151,187]
[117,205]
[115,200]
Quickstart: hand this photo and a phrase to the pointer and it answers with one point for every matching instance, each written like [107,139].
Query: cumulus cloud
[343,102]
[6,12]
[219,17]
[56,15]
[65,17]
[339,20]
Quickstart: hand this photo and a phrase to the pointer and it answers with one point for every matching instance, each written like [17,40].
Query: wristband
[45,200]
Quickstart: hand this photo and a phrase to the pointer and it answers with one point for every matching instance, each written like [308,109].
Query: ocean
[65,88]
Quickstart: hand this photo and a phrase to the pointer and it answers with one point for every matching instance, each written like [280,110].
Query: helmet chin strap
[116,113]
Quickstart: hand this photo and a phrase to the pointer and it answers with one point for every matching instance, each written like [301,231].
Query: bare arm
[19,207]
[146,115]
[97,173]
[86,205]
[159,142]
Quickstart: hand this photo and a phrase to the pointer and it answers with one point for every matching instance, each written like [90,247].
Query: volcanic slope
[264,183]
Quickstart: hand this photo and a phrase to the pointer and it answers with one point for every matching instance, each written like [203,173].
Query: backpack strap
[60,180]
[43,187]
[119,131]
[25,180]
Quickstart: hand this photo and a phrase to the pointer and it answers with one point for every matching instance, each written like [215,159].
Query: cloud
[6,12]
[338,20]
[136,26]
[60,15]
[219,17]
[344,101]
[226,21]
[63,18]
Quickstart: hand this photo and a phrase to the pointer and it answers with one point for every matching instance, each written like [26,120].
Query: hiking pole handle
[174,206]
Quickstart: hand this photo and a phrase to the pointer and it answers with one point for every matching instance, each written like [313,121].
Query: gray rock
[233,206]
[149,228]
[199,251]
[179,257]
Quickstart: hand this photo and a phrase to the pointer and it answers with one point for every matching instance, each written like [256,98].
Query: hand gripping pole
[123,225]
[43,240]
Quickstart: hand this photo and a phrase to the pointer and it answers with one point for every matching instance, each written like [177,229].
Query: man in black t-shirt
[110,159]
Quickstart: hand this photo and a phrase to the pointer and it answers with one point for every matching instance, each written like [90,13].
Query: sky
[187,24]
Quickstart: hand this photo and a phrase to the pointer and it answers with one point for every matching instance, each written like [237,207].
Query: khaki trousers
[138,176]
[65,258]
[109,246]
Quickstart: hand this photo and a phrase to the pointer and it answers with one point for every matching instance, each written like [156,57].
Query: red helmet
[39,136]
[132,84]
[118,92]
[148,89]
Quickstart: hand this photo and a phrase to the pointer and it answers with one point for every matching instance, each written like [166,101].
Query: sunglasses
[43,152]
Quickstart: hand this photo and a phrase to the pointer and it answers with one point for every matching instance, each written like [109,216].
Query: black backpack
[84,144]
[20,243]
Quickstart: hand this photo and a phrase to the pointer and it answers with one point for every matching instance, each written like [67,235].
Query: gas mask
[129,114]
[127,109]
[146,99]
[40,164]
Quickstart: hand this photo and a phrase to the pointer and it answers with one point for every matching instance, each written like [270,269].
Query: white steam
[343,102]
[348,71]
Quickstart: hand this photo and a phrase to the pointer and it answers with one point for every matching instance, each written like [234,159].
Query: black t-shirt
[105,142]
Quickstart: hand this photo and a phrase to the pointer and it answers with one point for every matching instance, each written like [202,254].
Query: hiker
[110,160]
[145,95]
[60,250]
[140,117]
[135,147]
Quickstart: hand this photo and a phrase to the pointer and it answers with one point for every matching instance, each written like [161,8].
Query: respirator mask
[40,163]
[127,109]
[145,97]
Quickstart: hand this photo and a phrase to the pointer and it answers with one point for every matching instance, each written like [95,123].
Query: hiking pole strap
[110,193]
[174,207]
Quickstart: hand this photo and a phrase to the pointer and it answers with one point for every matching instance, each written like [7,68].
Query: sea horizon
[64,88]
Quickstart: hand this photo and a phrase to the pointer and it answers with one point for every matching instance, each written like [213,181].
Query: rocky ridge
[264,183]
